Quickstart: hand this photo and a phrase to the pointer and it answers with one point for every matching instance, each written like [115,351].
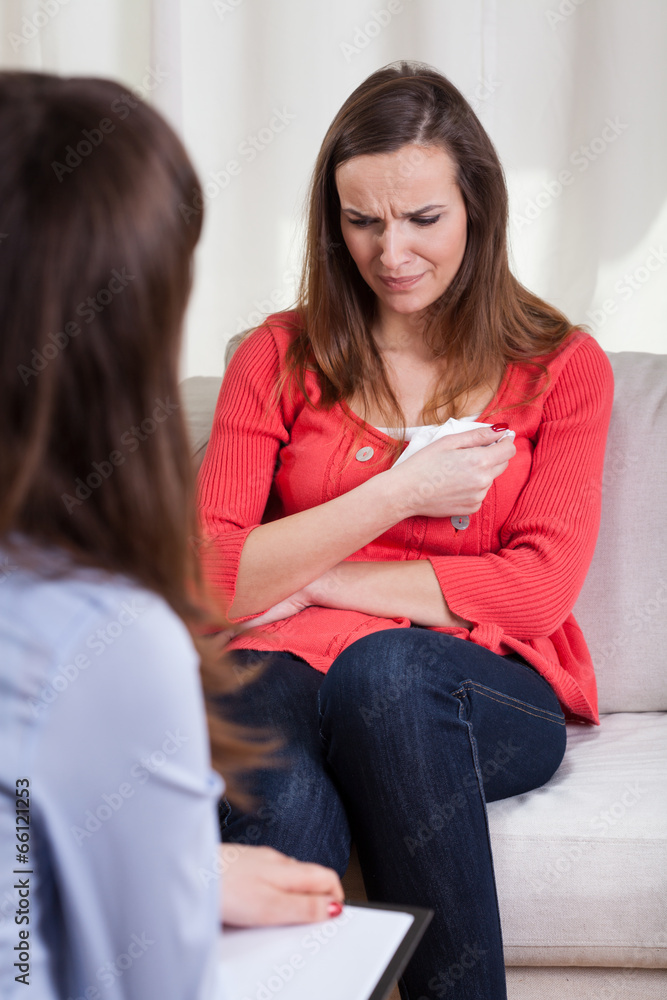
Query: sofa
[581,863]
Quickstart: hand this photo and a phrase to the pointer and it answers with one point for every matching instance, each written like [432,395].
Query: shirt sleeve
[237,471]
[128,809]
[529,587]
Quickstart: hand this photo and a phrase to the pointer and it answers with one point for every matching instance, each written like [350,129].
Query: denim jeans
[400,746]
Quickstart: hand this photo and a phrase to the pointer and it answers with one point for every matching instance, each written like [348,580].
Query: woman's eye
[419,220]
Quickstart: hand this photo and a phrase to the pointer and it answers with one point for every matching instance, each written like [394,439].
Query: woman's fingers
[477,437]
[474,438]
[502,451]
[284,609]
[453,474]
[282,907]
[466,450]
[302,876]
[263,887]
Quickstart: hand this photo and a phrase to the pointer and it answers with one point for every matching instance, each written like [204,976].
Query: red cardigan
[515,572]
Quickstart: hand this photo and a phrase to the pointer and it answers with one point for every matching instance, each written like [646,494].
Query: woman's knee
[296,808]
[388,655]
[295,788]
[391,670]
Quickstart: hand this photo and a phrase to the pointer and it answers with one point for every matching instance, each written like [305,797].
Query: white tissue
[426,435]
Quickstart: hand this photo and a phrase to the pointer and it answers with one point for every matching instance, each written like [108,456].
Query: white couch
[581,863]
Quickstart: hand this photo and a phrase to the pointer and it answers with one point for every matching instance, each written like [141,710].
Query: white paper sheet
[340,959]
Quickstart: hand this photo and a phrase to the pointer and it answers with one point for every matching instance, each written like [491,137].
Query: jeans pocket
[536,706]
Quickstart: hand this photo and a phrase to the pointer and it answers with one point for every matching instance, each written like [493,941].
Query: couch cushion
[622,608]
[581,863]
[199,395]
[585,984]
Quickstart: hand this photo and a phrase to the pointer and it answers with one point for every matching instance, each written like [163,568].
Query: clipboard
[404,952]
[358,955]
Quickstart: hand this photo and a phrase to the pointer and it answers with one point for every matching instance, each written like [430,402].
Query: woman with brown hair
[416,584]
[111,868]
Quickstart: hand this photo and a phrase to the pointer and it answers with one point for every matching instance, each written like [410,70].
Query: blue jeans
[400,746]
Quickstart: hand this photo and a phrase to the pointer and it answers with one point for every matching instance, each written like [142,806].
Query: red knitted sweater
[515,572]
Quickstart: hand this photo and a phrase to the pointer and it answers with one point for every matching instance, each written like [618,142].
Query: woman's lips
[400,284]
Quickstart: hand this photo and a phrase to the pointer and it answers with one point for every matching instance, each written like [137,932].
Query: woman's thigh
[414,690]
[297,807]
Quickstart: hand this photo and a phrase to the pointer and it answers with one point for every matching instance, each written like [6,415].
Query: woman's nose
[393,250]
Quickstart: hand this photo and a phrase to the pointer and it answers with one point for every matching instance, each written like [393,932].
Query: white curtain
[572,92]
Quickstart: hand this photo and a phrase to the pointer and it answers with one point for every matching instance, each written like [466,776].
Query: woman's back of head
[95,270]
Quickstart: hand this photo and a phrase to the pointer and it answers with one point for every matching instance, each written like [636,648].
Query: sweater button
[460,521]
[364,454]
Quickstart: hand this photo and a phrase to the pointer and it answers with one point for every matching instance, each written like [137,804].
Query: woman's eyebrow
[404,215]
[360,215]
[420,211]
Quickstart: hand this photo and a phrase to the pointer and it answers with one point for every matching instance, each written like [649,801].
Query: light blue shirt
[101,711]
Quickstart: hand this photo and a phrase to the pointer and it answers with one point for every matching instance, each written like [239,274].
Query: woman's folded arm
[257,565]
[408,589]
[531,584]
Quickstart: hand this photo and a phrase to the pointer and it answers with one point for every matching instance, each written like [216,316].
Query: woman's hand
[284,609]
[451,475]
[218,641]
[262,886]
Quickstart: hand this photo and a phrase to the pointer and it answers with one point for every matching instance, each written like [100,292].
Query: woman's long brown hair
[95,273]
[484,320]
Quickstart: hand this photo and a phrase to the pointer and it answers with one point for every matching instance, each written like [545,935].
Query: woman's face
[404,222]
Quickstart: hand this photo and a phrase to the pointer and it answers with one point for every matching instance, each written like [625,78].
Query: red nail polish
[334,909]
[500,427]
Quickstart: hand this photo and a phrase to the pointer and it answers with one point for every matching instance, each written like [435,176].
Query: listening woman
[111,868]
[421,609]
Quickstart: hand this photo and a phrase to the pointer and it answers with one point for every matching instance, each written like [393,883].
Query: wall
[571,91]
